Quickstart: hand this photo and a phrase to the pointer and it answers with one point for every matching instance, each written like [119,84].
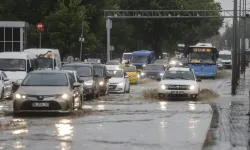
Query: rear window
[112,63]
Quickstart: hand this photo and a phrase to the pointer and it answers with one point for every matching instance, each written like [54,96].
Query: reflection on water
[18,145]
[163,105]
[20,131]
[192,126]
[100,107]
[191,106]
[64,129]
[64,146]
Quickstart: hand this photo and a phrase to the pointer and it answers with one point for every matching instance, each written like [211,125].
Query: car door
[77,78]
[72,81]
[7,83]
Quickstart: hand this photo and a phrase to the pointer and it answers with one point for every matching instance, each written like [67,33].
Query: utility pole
[234,58]
[244,37]
[81,40]
[108,26]
[239,46]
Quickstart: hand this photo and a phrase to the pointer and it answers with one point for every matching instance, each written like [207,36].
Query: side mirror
[19,82]
[6,79]
[198,80]
[126,76]
[96,76]
[76,84]
[158,79]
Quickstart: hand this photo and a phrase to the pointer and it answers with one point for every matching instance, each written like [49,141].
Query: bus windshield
[13,64]
[203,58]
[139,59]
[43,63]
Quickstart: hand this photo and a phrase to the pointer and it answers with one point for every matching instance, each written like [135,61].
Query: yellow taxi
[132,73]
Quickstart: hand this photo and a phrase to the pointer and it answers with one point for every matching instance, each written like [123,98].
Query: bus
[202,59]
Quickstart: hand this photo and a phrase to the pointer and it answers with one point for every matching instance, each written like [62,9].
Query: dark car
[87,75]
[103,78]
[161,62]
[47,91]
[154,71]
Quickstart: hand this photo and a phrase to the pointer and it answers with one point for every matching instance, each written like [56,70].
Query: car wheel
[2,94]
[80,103]
[128,90]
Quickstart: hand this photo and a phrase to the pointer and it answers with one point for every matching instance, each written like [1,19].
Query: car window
[99,71]
[4,75]
[71,79]
[83,71]
[179,75]
[45,79]
[116,73]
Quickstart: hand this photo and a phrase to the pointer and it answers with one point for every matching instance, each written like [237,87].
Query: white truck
[226,57]
[46,58]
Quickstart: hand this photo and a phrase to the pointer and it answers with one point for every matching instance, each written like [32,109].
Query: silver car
[47,91]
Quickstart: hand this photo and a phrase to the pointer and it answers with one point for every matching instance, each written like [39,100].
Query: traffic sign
[112,48]
[81,39]
[40,27]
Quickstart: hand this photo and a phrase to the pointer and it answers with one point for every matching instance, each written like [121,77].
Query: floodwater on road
[117,121]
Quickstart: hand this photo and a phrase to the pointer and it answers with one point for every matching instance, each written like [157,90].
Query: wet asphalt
[116,121]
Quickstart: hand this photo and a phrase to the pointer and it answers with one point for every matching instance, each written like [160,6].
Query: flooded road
[117,121]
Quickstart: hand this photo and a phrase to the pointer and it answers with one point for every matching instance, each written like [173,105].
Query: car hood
[116,80]
[15,75]
[86,78]
[43,90]
[179,82]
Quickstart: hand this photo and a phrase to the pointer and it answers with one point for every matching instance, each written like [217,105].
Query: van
[226,58]
[46,58]
[17,65]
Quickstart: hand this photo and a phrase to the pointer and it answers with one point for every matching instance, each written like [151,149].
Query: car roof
[179,69]
[50,71]
[78,64]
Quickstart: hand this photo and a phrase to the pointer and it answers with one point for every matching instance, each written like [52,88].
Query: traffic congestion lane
[117,121]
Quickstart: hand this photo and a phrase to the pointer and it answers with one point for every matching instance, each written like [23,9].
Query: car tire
[128,90]
[2,94]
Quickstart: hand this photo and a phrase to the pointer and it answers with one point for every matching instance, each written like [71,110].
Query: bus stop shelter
[13,36]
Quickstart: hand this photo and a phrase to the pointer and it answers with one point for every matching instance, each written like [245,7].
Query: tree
[63,28]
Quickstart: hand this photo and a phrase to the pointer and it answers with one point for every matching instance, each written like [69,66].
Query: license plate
[40,104]
[111,87]
[152,76]
[177,92]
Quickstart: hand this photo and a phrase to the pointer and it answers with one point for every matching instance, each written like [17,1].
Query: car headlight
[120,84]
[161,74]
[65,96]
[163,87]
[75,94]
[88,83]
[144,65]
[173,62]
[142,74]
[19,81]
[101,83]
[180,64]
[192,87]
[138,76]
[19,96]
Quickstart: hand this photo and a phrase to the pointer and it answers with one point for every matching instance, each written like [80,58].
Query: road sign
[112,48]
[81,39]
[40,27]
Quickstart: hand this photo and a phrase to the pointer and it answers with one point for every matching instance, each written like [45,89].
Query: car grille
[27,105]
[138,66]
[112,86]
[226,63]
[178,87]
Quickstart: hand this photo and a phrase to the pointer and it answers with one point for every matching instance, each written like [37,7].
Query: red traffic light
[40,27]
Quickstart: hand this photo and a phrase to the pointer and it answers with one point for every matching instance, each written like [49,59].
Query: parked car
[87,75]
[5,86]
[119,82]
[103,78]
[47,91]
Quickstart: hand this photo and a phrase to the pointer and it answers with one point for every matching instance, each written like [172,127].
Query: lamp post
[234,58]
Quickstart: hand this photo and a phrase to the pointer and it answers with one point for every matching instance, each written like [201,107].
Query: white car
[179,82]
[119,82]
[113,65]
[5,86]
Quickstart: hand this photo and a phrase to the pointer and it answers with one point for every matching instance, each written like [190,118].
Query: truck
[141,58]
[46,58]
[226,58]
[126,57]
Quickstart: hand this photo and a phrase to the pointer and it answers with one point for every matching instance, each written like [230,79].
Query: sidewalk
[230,124]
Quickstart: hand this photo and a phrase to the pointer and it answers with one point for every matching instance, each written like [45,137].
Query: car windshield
[127,56]
[159,61]
[13,64]
[44,63]
[154,67]
[204,58]
[112,63]
[82,71]
[116,73]
[129,69]
[179,75]
[98,71]
[139,59]
[225,57]
[45,79]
